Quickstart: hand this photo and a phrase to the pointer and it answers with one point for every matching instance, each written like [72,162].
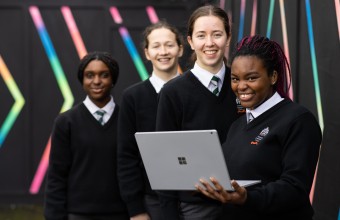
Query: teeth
[210,52]
[164,59]
[244,96]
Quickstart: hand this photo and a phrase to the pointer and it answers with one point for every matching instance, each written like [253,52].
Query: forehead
[96,65]
[246,64]
[161,34]
[206,23]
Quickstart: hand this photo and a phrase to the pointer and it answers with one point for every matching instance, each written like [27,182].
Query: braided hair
[272,56]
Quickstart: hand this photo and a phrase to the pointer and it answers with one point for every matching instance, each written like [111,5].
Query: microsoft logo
[182,160]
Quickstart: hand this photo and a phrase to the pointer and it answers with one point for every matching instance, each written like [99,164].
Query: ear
[228,42]
[180,52]
[146,52]
[274,77]
[190,42]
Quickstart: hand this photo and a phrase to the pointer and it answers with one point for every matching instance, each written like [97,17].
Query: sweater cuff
[136,207]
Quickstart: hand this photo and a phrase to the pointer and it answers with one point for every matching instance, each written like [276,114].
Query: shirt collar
[276,98]
[205,76]
[157,82]
[108,108]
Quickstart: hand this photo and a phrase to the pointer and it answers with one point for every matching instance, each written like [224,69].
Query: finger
[217,185]
[207,186]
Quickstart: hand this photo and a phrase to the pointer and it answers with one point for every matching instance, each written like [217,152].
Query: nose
[96,79]
[209,41]
[242,85]
[163,50]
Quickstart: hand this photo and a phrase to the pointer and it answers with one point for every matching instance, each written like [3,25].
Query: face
[250,81]
[97,82]
[209,41]
[163,51]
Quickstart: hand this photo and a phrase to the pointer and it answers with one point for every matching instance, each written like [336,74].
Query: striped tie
[214,82]
[101,114]
[250,117]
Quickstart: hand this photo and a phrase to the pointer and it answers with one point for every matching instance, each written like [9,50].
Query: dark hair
[272,56]
[106,58]
[206,11]
[158,25]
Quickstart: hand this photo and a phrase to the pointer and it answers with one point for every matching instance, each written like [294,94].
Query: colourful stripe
[339,215]
[152,14]
[75,34]
[270,18]
[254,18]
[242,13]
[314,64]
[62,83]
[285,42]
[143,73]
[337,10]
[19,101]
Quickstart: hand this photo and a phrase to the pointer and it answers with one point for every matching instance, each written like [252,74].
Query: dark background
[22,50]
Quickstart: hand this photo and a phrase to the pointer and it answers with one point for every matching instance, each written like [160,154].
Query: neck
[166,76]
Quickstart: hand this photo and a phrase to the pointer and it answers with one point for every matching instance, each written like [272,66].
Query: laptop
[176,160]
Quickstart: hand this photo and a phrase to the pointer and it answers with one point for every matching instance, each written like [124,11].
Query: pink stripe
[115,15]
[75,34]
[311,193]
[253,20]
[222,4]
[285,42]
[152,14]
[40,174]
[36,16]
[337,9]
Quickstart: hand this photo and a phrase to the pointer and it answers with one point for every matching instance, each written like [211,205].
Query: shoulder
[179,82]
[138,88]
[71,113]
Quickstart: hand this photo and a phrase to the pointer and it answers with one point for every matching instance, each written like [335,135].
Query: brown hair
[158,25]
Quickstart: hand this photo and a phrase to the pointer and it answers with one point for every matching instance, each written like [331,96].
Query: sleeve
[168,119]
[299,158]
[58,171]
[130,176]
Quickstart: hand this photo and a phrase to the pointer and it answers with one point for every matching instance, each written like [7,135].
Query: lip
[164,60]
[244,97]
[97,90]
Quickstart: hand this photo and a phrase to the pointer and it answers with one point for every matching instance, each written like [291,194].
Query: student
[81,181]
[195,102]
[163,47]
[277,141]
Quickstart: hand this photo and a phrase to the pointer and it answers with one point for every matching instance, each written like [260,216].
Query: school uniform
[81,180]
[137,114]
[186,103]
[280,147]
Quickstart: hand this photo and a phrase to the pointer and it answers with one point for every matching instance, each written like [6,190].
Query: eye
[105,75]
[217,35]
[234,79]
[88,75]
[200,36]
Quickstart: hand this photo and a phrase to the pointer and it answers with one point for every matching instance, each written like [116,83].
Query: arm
[300,150]
[168,119]
[131,181]
[57,176]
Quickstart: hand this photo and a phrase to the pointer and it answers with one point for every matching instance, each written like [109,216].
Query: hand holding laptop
[217,192]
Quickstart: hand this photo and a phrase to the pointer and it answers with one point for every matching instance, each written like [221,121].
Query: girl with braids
[82,179]
[277,141]
[199,99]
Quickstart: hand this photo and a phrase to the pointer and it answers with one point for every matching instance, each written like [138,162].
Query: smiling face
[251,82]
[97,82]
[163,51]
[209,41]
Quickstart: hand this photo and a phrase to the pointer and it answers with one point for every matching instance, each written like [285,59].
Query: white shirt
[276,98]
[157,82]
[205,76]
[108,108]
